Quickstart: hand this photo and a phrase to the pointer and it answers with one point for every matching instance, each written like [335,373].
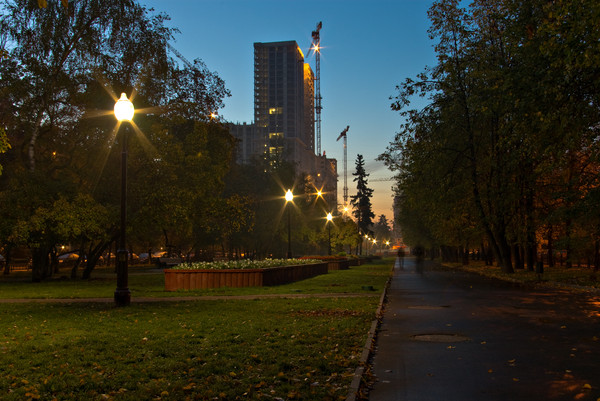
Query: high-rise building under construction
[284,115]
[283,112]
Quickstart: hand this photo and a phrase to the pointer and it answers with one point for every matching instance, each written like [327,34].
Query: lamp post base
[122,297]
[122,293]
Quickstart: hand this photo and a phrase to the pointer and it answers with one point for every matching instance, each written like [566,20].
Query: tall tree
[496,127]
[59,69]
[361,202]
[381,229]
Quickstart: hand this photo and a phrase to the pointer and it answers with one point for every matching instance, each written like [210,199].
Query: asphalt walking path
[454,336]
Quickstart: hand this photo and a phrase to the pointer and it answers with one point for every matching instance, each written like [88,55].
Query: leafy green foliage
[60,73]
[506,149]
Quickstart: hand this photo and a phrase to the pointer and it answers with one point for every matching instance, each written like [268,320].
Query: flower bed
[333,262]
[241,273]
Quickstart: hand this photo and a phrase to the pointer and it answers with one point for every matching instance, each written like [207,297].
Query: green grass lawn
[145,282]
[231,349]
[275,348]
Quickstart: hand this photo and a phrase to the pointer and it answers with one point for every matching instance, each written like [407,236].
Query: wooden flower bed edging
[339,264]
[197,279]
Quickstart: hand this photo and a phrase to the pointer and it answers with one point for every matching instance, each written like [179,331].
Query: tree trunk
[505,259]
[569,262]
[39,264]
[78,261]
[33,141]
[596,255]
[94,255]
[465,256]
[551,261]
[7,258]
[518,257]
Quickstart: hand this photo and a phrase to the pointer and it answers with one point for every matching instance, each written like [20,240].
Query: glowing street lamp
[289,196]
[328,223]
[123,112]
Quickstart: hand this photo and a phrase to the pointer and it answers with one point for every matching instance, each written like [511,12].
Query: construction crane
[185,60]
[213,114]
[316,48]
[344,135]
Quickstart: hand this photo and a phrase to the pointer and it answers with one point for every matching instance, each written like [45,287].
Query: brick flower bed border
[198,279]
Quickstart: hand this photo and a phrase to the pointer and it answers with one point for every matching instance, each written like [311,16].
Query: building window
[275,135]
[276,110]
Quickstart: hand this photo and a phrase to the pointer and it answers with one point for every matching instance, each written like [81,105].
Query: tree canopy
[505,153]
[60,76]
[361,202]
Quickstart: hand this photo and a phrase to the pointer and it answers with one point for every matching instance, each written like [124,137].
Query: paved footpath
[454,336]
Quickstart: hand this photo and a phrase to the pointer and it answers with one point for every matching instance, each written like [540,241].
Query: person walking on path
[400,259]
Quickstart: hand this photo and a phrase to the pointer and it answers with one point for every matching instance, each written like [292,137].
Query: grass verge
[557,277]
[224,350]
[144,282]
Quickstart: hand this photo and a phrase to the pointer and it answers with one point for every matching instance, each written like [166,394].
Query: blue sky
[368,49]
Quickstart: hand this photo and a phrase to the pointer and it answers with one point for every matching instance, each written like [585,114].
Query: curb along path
[358,382]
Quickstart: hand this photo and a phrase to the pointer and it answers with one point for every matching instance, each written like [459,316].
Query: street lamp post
[329,219]
[123,112]
[289,196]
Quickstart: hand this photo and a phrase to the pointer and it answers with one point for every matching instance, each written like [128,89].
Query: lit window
[276,110]
[275,135]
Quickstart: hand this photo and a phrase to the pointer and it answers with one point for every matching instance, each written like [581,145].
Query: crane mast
[344,135]
[316,47]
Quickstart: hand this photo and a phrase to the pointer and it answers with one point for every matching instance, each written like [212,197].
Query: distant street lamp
[328,223]
[123,112]
[289,196]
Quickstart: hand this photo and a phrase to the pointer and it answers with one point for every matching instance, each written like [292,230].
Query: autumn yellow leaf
[42,3]
[587,386]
